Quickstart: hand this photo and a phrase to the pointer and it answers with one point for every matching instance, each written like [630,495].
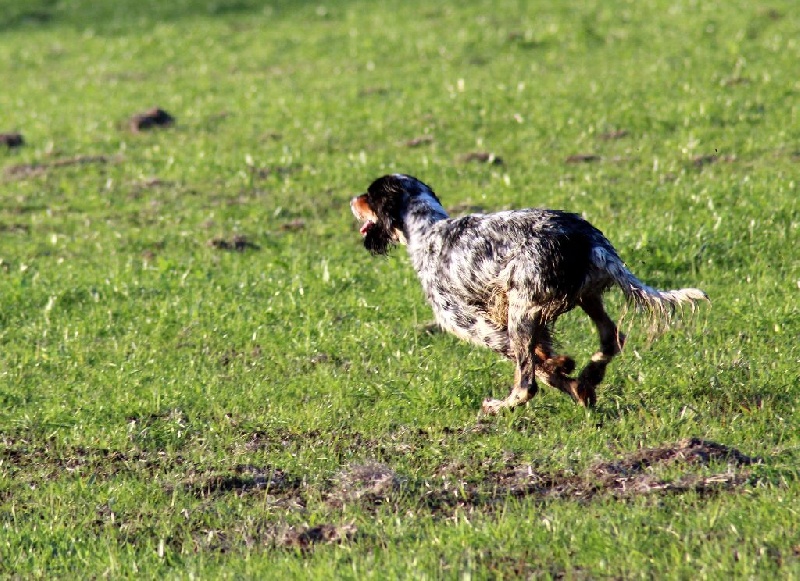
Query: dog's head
[384,209]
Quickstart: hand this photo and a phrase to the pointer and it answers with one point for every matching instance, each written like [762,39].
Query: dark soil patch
[484,486]
[583,158]
[771,13]
[11,140]
[274,536]
[150,119]
[417,141]
[610,135]
[231,355]
[525,40]
[277,170]
[369,483]
[271,136]
[482,157]
[700,161]
[45,460]
[238,243]
[690,451]
[378,90]
[26,170]
[734,81]
[243,479]
[171,416]
[149,183]
[327,359]
[629,476]
[340,444]
[305,537]
[293,225]
[15,228]
[525,564]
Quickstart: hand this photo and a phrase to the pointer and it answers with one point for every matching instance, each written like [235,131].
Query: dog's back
[546,252]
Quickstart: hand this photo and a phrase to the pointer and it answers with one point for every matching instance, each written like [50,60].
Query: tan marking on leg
[516,398]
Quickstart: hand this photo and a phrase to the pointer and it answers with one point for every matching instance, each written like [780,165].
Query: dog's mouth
[363,214]
[366,227]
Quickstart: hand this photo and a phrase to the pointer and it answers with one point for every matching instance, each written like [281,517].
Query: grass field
[202,373]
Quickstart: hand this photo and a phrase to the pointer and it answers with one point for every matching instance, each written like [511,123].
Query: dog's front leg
[523,390]
[522,326]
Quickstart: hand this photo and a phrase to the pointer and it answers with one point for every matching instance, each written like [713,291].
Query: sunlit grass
[169,407]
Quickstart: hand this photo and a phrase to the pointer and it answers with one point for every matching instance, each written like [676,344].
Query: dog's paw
[585,394]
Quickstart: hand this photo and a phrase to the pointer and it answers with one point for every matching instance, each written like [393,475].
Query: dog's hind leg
[611,343]
[546,361]
[554,370]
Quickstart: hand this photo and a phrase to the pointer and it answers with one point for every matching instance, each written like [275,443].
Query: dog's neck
[424,210]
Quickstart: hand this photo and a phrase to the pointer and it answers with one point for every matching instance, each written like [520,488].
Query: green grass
[168,408]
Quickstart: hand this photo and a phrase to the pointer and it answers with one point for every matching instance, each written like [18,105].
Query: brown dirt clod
[421,140]
[700,161]
[293,225]
[305,537]
[617,134]
[237,243]
[150,119]
[482,157]
[583,158]
[11,140]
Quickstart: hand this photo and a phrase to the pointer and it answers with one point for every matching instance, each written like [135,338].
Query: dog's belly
[476,326]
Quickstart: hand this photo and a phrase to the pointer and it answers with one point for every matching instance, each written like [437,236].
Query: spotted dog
[501,280]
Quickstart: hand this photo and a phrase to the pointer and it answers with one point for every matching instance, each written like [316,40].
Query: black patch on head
[388,198]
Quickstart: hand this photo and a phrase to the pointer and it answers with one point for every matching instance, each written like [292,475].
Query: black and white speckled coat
[501,280]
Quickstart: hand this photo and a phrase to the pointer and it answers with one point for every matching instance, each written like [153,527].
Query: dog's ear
[388,199]
[379,238]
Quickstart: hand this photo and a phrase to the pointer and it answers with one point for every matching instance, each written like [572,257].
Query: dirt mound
[689,451]
[633,474]
[371,482]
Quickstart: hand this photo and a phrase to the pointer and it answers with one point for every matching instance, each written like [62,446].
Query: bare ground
[695,466]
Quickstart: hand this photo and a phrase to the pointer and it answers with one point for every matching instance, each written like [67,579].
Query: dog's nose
[353,207]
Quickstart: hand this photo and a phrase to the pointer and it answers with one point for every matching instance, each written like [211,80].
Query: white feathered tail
[656,301]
